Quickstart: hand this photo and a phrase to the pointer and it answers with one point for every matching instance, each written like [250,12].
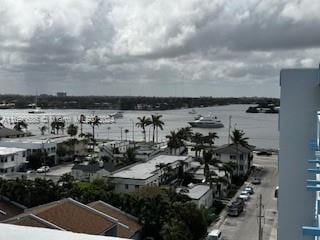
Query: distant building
[147,173]
[200,194]
[11,159]
[61,94]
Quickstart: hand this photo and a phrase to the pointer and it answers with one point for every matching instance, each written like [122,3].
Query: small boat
[36,110]
[192,111]
[116,115]
[207,122]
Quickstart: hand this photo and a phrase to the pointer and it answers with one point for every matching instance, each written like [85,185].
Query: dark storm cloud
[117,46]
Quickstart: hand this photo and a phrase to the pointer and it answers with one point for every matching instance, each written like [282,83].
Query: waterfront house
[11,159]
[236,154]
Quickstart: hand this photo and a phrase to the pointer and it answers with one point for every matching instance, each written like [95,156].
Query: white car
[215,235]
[43,169]
[245,195]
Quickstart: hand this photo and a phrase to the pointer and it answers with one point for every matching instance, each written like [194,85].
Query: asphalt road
[245,226]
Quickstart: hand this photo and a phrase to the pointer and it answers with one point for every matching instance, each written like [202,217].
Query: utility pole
[229,129]
[260,217]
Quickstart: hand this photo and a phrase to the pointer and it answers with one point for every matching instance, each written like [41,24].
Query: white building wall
[13,162]
[225,158]
[205,201]
[300,100]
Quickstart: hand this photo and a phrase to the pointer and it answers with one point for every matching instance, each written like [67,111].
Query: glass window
[127,186]
[233,157]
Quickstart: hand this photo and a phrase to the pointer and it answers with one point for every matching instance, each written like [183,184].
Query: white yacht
[207,122]
[36,110]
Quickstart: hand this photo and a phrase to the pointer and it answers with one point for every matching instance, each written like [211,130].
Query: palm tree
[82,120]
[185,133]
[95,121]
[19,125]
[43,129]
[198,140]
[174,141]
[130,155]
[143,122]
[210,138]
[126,131]
[238,138]
[156,123]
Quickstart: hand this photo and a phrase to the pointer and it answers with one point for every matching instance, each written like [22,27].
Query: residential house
[200,194]
[11,133]
[68,215]
[113,151]
[11,159]
[90,171]
[128,227]
[147,173]
[238,154]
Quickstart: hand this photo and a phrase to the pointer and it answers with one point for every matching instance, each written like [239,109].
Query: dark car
[264,153]
[256,180]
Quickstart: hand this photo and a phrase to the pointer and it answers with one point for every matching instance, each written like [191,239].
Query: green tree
[157,123]
[130,155]
[197,138]
[174,141]
[185,133]
[175,229]
[94,122]
[73,131]
[20,125]
[43,129]
[143,122]
[238,138]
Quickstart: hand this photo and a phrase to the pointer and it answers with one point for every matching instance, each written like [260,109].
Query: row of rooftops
[67,214]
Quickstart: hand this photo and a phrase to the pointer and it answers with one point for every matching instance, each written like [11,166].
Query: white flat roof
[36,139]
[197,191]
[146,169]
[10,231]
[10,150]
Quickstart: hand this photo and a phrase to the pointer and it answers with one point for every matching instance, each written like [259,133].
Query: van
[215,235]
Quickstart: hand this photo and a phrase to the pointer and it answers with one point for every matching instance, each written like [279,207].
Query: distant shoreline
[123,102]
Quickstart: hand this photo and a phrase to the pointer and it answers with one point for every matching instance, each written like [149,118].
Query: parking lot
[245,226]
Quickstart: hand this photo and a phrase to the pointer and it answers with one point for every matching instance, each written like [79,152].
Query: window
[126,186]
[12,169]
[241,167]
[23,154]
[12,158]
[233,157]
[136,186]
[241,156]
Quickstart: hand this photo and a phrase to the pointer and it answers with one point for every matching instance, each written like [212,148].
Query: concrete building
[11,159]
[200,194]
[37,144]
[138,175]
[300,101]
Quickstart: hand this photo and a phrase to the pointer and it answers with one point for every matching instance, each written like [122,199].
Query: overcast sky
[155,47]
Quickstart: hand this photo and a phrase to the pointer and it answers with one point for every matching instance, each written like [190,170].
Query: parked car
[236,207]
[43,169]
[245,195]
[264,153]
[249,189]
[215,234]
[30,171]
[276,192]
[256,180]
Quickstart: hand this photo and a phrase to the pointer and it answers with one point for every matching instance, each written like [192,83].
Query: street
[245,226]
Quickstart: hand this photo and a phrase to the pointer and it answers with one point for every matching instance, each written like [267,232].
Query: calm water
[262,129]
